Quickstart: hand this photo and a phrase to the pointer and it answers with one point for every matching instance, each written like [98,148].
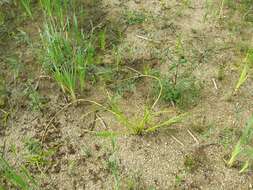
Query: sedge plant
[146,121]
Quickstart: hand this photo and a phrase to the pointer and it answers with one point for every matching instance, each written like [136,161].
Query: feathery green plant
[243,148]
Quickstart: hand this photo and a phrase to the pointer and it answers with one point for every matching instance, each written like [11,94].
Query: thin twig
[147,39]
[178,141]
[102,121]
[194,138]
[3,111]
[93,124]
[215,84]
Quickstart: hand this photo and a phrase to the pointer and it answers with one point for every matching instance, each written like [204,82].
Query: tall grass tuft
[67,50]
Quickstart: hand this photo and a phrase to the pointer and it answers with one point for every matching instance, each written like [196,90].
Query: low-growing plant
[102,39]
[180,87]
[113,164]
[243,149]
[184,93]
[36,101]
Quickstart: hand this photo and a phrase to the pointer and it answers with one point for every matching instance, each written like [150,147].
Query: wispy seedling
[144,122]
[36,101]
[113,163]
[15,66]
[180,87]
[243,149]
[184,93]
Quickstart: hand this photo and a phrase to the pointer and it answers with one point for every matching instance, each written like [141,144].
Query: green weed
[144,122]
[243,149]
[3,93]
[36,101]
[184,93]
[15,66]
[180,87]
[102,39]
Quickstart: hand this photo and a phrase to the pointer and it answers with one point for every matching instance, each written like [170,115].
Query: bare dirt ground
[190,155]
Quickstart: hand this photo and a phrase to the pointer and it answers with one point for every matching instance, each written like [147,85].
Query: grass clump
[145,120]
[67,51]
[243,149]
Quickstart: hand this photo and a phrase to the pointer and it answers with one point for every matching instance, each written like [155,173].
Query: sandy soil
[154,161]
